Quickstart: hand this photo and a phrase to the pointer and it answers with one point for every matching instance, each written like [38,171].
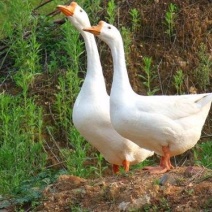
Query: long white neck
[120,76]
[94,73]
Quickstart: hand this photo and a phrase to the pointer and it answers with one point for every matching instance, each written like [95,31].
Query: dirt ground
[185,188]
[182,189]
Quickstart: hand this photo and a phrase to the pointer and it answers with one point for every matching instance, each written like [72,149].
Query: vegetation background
[168,46]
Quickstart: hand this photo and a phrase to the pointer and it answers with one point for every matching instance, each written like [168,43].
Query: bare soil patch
[182,189]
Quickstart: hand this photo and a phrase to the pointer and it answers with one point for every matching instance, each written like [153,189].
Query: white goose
[167,125]
[91,110]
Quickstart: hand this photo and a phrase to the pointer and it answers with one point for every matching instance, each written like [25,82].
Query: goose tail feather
[204,100]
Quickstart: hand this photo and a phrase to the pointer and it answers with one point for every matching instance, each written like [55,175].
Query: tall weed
[149,76]
[178,81]
[135,16]
[127,38]
[111,11]
[204,70]
[170,17]
[68,88]
[203,154]
[21,142]
[69,83]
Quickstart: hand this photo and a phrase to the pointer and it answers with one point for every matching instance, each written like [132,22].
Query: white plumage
[91,110]
[167,125]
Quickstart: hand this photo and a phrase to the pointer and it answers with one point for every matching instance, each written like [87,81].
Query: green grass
[19,14]
[36,46]
[178,81]
[111,11]
[21,145]
[148,162]
[170,17]
[203,154]
[30,190]
[127,38]
[34,51]
[148,76]
[203,71]
[135,16]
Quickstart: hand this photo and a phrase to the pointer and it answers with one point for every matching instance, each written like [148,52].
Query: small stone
[123,206]
[163,179]
[193,170]
[79,191]
[101,183]
[167,179]
[89,188]
[138,203]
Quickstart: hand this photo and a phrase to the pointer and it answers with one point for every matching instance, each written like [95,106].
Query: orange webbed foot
[165,163]
[115,169]
[126,165]
[156,169]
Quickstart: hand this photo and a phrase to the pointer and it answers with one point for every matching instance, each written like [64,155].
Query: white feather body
[152,121]
[91,114]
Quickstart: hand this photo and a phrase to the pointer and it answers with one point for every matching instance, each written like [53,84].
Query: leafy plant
[170,17]
[68,88]
[147,162]
[126,34]
[164,204]
[111,11]
[178,81]
[149,76]
[78,209]
[135,19]
[99,168]
[30,191]
[203,154]
[73,49]
[92,9]
[75,158]
[69,82]
[21,145]
[21,14]
[204,70]
[22,150]
[27,58]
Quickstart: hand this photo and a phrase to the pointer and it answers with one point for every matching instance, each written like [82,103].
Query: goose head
[75,14]
[106,32]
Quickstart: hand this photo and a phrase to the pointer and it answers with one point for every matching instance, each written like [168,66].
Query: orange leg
[115,168]
[165,163]
[126,165]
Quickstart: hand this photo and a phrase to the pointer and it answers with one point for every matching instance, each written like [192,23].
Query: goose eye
[109,27]
[81,11]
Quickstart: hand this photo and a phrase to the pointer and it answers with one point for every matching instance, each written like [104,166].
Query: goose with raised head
[91,114]
[167,125]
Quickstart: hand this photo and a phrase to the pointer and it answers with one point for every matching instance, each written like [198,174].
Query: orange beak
[95,30]
[67,10]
